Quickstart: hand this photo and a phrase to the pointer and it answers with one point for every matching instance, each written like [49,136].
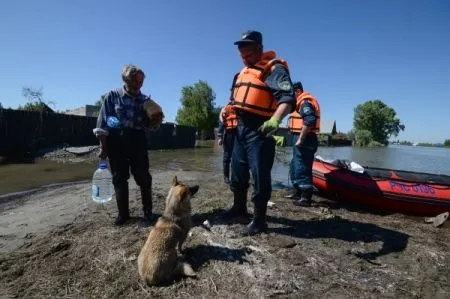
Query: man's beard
[131,91]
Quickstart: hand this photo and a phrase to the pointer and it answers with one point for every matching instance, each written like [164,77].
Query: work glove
[279,140]
[270,126]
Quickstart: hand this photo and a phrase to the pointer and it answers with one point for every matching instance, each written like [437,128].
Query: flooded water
[413,158]
[19,177]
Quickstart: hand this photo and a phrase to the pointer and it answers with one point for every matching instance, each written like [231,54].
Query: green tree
[98,103]
[351,134]
[198,108]
[377,118]
[447,142]
[363,137]
[1,106]
[35,99]
[405,142]
[35,106]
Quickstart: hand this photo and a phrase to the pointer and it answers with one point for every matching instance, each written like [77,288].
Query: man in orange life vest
[304,124]
[262,96]
[226,133]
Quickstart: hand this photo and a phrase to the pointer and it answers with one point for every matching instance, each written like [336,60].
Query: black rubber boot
[239,208]
[305,200]
[295,193]
[122,204]
[226,174]
[258,224]
[147,205]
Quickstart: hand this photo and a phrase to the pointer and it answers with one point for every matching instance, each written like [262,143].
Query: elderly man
[120,129]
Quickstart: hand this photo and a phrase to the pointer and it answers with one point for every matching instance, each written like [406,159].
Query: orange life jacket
[295,122]
[229,117]
[250,93]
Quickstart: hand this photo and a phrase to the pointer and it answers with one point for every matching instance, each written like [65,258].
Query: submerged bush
[374,143]
[363,138]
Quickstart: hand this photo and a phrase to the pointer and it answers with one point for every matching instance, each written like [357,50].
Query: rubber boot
[295,193]
[122,204]
[147,204]
[226,174]
[239,208]
[305,200]
[258,224]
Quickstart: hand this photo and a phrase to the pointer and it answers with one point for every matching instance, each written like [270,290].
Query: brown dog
[158,261]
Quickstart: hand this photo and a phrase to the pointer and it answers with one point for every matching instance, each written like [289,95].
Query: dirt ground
[59,243]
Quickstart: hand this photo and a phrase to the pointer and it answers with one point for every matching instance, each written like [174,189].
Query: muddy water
[208,157]
[20,177]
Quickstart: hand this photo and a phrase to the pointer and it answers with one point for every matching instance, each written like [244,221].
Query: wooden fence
[26,132]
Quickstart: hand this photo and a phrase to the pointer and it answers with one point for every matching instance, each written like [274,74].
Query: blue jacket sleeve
[280,84]
[106,109]
[307,113]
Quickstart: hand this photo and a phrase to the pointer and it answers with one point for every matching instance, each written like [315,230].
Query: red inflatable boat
[384,189]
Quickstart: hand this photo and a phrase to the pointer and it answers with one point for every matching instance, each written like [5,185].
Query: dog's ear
[193,190]
[174,181]
[184,194]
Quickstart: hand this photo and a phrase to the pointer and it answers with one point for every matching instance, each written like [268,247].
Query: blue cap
[103,165]
[250,36]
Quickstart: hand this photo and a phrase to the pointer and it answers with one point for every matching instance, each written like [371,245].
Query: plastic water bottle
[102,187]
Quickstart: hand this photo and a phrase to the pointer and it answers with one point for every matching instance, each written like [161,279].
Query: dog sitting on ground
[158,261]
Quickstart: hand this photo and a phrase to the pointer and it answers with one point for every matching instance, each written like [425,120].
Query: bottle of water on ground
[102,187]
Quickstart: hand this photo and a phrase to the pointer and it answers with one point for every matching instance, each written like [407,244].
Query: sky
[344,52]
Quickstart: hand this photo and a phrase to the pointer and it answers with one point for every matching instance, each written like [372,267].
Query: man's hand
[270,126]
[158,116]
[103,145]
[102,155]
[220,141]
[302,135]
[279,140]
[299,142]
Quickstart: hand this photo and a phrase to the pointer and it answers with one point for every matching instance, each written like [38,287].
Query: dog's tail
[184,269]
